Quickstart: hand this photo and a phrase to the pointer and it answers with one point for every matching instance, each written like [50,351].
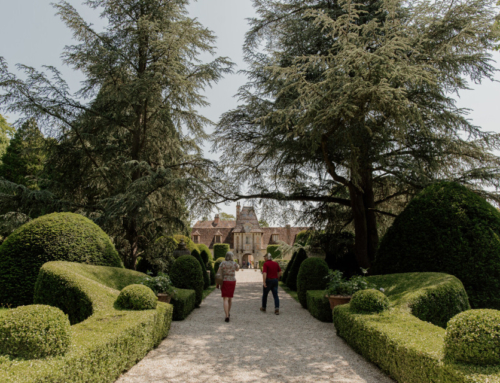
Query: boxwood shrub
[186,273]
[447,228]
[220,250]
[291,281]
[274,251]
[206,279]
[35,331]
[202,247]
[474,337]
[104,345]
[190,245]
[288,267]
[54,237]
[407,348]
[369,301]
[311,276]
[217,264]
[136,297]
[184,303]
[318,305]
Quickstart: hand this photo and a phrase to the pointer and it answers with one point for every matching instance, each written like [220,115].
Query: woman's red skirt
[227,289]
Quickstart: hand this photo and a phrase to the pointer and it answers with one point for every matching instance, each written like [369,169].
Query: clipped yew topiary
[291,281]
[220,250]
[204,248]
[311,276]
[54,237]
[136,297]
[206,278]
[447,228]
[217,264]
[474,337]
[288,267]
[187,273]
[369,301]
[35,331]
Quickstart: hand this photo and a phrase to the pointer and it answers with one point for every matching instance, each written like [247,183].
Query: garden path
[253,346]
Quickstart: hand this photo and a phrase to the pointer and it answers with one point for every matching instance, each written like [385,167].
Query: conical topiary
[187,273]
[207,259]
[288,267]
[447,228]
[206,278]
[312,276]
[294,271]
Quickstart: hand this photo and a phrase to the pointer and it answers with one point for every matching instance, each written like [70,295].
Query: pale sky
[31,34]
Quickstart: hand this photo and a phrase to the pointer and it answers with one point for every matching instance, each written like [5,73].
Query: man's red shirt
[272,269]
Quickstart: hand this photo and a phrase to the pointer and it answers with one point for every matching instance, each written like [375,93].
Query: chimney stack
[238,207]
[288,234]
[216,220]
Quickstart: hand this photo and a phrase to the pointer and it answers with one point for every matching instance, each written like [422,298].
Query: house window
[218,239]
[275,237]
[196,239]
[248,240]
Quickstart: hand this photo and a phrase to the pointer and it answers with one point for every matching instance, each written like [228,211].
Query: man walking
[271,273]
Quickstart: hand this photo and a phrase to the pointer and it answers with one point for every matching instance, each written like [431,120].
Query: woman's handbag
[219,280]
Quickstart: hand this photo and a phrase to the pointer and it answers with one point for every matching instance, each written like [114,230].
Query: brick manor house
[247,240]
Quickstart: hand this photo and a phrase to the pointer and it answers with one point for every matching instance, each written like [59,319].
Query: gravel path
[254,346]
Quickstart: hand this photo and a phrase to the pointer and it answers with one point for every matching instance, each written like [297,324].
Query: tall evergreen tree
[6,132]
[127,152]
[350,104]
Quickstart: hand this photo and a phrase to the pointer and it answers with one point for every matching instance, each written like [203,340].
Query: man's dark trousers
[272,285]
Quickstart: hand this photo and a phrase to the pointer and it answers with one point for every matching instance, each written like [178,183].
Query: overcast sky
[31,34]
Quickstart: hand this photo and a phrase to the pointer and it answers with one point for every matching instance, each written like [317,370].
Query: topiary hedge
[186,273]
[369,301]
[107,343]
[274,251]
[190,245]
[291,281]
[35,331]
[407,348]
[447,228]
[289,266]
[318,305]
[184,303]
[204,248]
[136,297]
[220,250]
[206,278]
[217,264]
[474,337]
[54,237]
[311,276]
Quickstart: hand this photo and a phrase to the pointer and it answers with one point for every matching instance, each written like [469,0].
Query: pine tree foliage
[6,133]
[350,105]
[127,151]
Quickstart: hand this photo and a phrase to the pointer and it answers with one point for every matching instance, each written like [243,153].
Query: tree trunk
[360,227]
[133,239]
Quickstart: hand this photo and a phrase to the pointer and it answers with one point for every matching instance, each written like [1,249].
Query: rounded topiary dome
[186,273]
[35,331]
[474,337]
[312,273]
[137,297]
[447,228]
[54,237]
[369,301]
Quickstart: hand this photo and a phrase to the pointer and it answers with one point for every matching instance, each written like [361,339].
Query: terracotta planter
[337,300]
[164,297]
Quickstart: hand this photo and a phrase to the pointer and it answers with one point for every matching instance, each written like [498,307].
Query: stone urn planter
[164,297]
[337,300]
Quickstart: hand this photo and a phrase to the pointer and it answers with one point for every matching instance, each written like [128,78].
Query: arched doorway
[248,261]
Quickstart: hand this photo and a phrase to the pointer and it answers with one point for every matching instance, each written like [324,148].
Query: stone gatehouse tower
[247,240]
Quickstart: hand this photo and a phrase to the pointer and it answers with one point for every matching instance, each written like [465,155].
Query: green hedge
[407,348]
[104,345]
[369,301]
[206,278]
[217,264]
[288,267]
[274,251]
[54,237]
[136,297]
[184,303]
[220,250]
[447,228]
[291,281]
[311,276]
[202,247]
[186,273]
[318,305]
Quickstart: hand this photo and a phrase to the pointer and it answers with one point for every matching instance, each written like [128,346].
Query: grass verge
[292,293]
[207,292]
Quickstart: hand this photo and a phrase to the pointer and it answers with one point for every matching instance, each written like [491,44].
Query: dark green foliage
[190,245]
[187,274]
[53,237]
[474,337]
[319,306]
[212,273]
[407,348]
[369,301]
[202,247]
[108,343]
[291,281]
[303,238]
[206,279]
[158,256]
[274,251]
[288,267]
[311,276]
[339,250]
[34,331]
[283,265]
[217,264]
[447,228]
[220,250]
[184,302]
[204,256]
[136,297]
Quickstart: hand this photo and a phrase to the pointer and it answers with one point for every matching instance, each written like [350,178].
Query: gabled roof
[211,224]
[196,233]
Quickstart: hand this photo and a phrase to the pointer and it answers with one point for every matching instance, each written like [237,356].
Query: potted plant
[161,286]
[340,291]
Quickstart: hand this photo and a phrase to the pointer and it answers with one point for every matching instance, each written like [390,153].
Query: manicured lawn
[2,309]
[293,294]
[208,291]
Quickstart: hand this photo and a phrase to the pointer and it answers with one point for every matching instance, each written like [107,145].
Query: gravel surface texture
[253,346]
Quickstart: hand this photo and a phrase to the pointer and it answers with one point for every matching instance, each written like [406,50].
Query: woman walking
[227,270]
